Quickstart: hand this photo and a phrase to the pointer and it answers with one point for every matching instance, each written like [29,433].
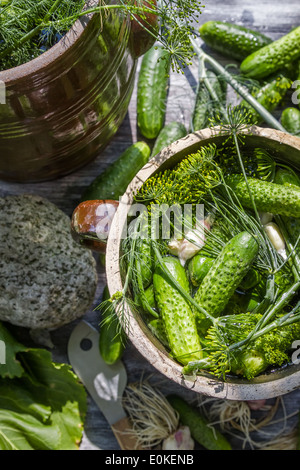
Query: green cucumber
[112,337]
[223,278]
[287,177]
[157,328]
[201,431]
[269,197]
[273,57]
[176,313]
[290,119]
[169,134]
[232,40]
[251,279]
[200,111]
[113,182]
[269,96]
[198,267]
[152,91]
[205,106]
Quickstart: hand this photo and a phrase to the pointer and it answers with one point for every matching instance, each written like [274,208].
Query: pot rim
[49,56]
[280,382]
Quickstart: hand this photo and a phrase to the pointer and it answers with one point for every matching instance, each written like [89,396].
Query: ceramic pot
[63,107]
[285,148]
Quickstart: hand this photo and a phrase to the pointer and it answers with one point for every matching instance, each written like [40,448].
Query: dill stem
[241,90]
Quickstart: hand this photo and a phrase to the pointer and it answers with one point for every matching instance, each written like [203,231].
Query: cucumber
[201,431]
[169,134]
[112,338]
[152,91]
[232,40]
[290,119]
[270,96]
[113,182]
[198,267]
[287,177]
[205,106]
[269,197]
[176,313]
[273,57]
[156,326]
[223,278]
[200,111]
[251,279]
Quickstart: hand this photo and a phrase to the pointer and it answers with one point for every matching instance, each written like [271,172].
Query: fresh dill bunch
[186,183]
[29,27]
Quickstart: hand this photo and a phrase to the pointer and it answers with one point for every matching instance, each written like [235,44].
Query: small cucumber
[201,431]
[198,267]
[232,40]
[169,134]
[176,313]
[268,197]
[269,96]
[287,177]
[200,111]
[152,91]
[113,182]
[112,338]
[273,57]
[290,119]
[205,106]
[223,278]
[251,279]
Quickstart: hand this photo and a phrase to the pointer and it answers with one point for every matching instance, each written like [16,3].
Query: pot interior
[284,148]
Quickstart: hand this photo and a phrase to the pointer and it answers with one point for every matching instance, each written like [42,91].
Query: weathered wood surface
[272,17]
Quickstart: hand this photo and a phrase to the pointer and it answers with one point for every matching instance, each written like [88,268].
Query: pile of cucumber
[179,300]
[273,65]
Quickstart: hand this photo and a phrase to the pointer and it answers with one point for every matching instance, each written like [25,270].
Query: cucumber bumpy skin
[269,197]
[219,285]
[234,41]
[273,57]
[177,315]
[152,92]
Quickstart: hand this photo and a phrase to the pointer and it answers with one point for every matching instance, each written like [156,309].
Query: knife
[105,383]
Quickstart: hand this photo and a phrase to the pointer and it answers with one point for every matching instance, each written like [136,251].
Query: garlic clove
[276,238]
[179,440]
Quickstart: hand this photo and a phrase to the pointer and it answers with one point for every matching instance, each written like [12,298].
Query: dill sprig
[186,183]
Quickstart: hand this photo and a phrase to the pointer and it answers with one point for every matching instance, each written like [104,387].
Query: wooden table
[272,17]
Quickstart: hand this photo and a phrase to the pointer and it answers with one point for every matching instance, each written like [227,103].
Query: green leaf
[24,432]
[9,348]
[42,403]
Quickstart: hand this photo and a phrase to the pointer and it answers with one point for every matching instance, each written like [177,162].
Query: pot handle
[140,40]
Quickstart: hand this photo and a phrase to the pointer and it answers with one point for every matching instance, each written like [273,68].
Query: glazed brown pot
[284,147]
[63,107]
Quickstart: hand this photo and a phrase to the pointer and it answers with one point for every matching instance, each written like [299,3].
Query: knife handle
[125,438]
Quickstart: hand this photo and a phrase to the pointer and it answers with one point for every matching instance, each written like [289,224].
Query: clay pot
[284,147]
[63,107]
